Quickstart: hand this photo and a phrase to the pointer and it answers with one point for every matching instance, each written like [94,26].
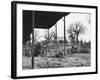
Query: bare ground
[73,60]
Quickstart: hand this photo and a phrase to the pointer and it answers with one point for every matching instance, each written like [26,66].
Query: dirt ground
[72,60]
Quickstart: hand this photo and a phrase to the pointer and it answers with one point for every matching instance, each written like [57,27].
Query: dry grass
[73,60]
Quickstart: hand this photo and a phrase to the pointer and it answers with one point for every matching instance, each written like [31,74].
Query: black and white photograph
[54,39]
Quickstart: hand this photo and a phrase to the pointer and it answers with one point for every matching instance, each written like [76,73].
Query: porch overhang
[42,20]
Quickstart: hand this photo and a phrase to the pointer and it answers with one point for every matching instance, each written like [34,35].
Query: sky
[85,19]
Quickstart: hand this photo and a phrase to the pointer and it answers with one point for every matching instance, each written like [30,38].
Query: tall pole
[48,41]
[56,37]
[32,51]
[64,35]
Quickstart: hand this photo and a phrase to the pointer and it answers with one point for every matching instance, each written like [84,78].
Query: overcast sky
[85,19]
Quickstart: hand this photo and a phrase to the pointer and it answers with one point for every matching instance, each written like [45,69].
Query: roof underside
[47,19]
[42,20]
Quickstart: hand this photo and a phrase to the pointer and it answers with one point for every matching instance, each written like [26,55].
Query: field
[70,60]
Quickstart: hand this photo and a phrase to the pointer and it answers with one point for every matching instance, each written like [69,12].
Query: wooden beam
[48,41]
[64,34]
[33,25]
[56,37]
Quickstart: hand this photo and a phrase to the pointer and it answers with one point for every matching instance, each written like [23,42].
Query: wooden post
[64,35]
[56,37]
[32,51]
[48,42]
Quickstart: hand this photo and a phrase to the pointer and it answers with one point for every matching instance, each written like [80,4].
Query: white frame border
[36,72]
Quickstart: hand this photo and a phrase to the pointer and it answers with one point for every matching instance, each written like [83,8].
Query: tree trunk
[77,44]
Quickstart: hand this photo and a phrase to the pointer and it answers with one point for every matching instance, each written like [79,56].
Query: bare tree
[49,36]
[75,30]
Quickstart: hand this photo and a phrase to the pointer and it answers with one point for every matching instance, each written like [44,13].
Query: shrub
[82,50]
[37,49]
[75,50]
[60,55]
[26,52]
